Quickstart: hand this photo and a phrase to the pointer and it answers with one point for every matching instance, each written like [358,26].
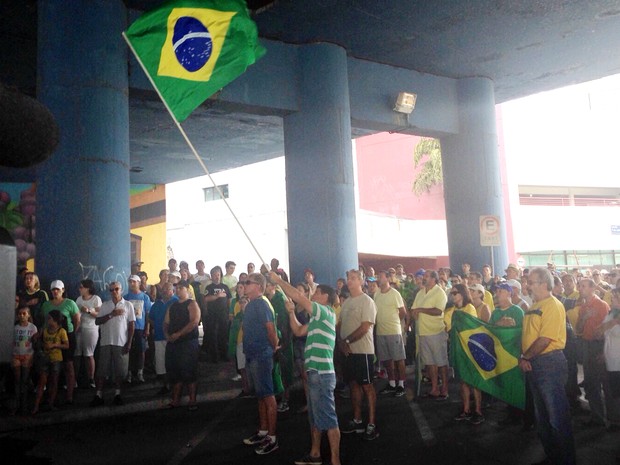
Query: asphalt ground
[145,431]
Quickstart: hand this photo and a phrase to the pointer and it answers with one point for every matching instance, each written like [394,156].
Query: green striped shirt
[319,354]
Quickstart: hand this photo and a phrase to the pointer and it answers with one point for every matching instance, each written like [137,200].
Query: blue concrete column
[83,189]
[319,168]
[472,181]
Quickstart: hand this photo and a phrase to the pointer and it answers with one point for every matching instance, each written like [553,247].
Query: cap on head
[477,287]
[514,283]
[512,266]
[134,277]
[505,287]
[57,284]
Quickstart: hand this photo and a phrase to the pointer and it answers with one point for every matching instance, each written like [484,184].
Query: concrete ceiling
[525,47]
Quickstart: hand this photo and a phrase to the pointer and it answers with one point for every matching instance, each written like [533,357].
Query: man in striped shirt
[318,363]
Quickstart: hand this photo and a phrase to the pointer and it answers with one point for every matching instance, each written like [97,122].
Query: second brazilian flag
[487,357]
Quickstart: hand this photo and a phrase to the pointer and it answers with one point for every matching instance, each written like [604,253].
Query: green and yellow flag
[487,357]
[193,48]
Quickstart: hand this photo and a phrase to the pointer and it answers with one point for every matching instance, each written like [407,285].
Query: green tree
[427,153]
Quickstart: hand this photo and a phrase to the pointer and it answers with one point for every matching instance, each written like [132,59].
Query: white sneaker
[140,377]
[129,378]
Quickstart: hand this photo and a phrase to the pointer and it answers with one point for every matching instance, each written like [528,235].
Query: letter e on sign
[489,231]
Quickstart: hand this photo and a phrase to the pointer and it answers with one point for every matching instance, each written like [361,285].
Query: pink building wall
[386,172]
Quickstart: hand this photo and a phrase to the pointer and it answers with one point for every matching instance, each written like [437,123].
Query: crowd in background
[155,327]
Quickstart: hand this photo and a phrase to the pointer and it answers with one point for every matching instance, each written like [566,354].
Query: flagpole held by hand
[191,146]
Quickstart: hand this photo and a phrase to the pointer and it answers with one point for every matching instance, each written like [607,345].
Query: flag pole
[192,148]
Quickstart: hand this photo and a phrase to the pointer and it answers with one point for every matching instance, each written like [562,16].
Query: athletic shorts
[112,363]
[182,361]
[24,360]
[434,349]
[391,347]
[358,368]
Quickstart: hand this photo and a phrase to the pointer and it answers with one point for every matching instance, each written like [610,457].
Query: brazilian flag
[193,48]
[487,357]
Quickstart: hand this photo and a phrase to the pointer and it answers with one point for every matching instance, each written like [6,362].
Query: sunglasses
[114,289]
[248,282]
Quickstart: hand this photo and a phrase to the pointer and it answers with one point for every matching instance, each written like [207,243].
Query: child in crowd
[25,333]
[55,340]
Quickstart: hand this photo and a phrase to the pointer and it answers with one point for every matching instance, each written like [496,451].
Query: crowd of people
[334,338]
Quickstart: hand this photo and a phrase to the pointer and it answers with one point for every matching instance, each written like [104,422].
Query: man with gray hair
[544,364]
[116,323]
[260,341]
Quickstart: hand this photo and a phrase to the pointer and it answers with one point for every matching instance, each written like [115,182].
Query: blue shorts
[321,403]
[260,371]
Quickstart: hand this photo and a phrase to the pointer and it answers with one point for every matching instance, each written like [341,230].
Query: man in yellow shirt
[543,362]
[427,310]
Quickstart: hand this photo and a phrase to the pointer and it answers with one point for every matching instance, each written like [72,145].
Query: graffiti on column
[102,279]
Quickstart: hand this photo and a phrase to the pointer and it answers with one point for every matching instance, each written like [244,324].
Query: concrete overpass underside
[332,71]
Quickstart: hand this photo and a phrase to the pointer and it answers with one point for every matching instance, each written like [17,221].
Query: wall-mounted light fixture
[405,103]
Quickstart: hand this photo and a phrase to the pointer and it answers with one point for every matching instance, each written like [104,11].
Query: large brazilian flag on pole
[193,48]
[487,357]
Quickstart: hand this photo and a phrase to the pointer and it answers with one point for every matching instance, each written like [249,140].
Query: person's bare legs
[443,371]
[465,393]
[389,367]
[356,400]
[478,401]
[176,394]
[371,397]
[191,392]
[400,369]
[333,436]
[315,436]
[432,374]
[70,378]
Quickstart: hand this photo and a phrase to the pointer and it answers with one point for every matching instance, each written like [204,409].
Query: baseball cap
[505,287]
[176,274]
[513,266]
[134,277]
[420,272]
[57,284]
[514,283]
[477,287]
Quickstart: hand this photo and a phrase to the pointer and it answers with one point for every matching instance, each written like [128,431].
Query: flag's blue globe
[482,349]
[192,43]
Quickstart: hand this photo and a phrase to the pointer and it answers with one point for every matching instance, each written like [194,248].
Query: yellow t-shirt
[449,312]
[488,299]
[388,317]
[546,318]
[429,325]
[59,337]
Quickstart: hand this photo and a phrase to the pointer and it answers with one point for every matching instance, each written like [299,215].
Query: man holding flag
[543,362]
